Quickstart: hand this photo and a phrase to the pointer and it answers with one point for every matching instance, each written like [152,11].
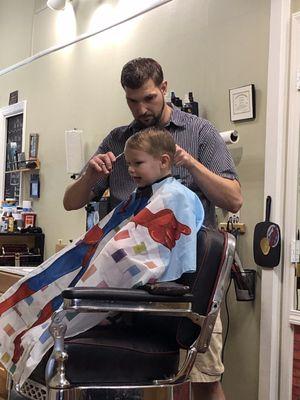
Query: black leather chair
[137,358]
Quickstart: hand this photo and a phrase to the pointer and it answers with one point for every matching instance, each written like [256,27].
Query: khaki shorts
[208,366]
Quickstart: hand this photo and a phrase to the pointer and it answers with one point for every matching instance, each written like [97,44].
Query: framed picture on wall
[33,145]
[242,103]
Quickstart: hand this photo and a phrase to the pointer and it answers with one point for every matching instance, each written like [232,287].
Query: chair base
[179,391]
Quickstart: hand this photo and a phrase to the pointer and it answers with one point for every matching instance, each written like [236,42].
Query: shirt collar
[134,127]
[176,116]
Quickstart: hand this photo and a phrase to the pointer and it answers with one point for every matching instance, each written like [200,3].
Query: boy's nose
[130,170]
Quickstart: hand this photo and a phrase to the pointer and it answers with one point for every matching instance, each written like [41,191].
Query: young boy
[149,155]
[149,237]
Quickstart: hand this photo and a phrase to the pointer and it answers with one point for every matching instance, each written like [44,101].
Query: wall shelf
[25,169]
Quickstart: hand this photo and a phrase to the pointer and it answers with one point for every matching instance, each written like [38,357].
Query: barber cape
[150,237]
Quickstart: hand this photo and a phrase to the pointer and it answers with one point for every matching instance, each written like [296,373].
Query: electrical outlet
[235,217]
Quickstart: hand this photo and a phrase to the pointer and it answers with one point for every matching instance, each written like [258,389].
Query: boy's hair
[139,70]
[153,140]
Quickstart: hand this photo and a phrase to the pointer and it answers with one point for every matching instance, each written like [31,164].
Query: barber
[202,162]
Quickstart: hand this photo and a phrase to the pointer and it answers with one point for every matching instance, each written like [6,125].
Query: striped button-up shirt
[195,135]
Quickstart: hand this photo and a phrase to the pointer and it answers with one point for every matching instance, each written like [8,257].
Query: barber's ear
[163,87]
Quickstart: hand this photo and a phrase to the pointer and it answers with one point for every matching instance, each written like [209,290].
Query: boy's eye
[128,164]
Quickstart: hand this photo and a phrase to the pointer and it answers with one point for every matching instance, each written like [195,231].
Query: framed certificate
[242,103]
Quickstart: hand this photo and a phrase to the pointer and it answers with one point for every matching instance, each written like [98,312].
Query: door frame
[7,112]
[289,315]
[271,375]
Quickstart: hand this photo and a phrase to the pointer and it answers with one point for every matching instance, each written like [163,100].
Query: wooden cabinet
[23,249]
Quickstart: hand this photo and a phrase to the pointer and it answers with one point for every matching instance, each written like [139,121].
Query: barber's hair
[153,140]
[138,71]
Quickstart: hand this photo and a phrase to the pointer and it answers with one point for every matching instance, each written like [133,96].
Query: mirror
[204,46]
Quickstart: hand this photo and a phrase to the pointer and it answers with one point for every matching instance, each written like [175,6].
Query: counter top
[17,270]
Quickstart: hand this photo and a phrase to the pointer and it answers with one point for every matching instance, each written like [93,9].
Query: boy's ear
[165,160]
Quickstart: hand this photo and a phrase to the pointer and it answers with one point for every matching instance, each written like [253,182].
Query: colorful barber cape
[150,237]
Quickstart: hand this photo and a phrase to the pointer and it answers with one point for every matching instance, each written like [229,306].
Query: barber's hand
[101,164]
[183,158]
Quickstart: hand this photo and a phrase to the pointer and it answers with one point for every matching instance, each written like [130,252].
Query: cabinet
[21,249]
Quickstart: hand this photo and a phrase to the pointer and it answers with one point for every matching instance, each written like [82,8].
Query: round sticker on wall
[265,246]
[273,235]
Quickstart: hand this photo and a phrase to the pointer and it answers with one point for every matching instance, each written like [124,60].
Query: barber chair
[137,358]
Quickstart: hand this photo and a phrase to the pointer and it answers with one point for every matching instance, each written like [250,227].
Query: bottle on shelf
[28,215]
[187,105]
[4,224]
[18,221]
[176,100]
[173,97]
[194,104]
[10,223]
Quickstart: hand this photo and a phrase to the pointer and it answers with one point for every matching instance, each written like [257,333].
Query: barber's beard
[156,120]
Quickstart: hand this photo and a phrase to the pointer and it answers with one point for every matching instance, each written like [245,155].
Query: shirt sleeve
[214,154]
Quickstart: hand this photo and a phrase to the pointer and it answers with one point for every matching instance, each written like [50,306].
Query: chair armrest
[132,295]
[166,288]
[93,300]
